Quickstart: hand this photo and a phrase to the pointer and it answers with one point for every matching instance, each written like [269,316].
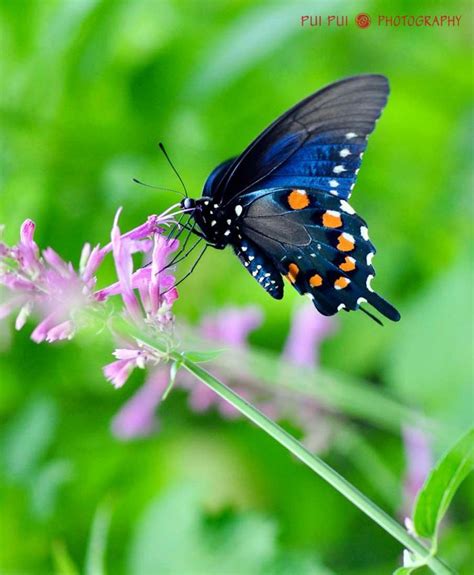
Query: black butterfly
[282,204]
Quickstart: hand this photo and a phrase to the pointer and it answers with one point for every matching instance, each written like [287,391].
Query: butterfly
[283,203]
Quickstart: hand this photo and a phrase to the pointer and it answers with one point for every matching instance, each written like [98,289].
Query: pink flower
[137,417]
[308,330]
[44,285]
[231,326]
[419,461]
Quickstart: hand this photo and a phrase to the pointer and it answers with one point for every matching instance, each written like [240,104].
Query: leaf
[423,369]
[436,494]
[95,558]
[173,372]
[46,484]
[202,356]
[404,570]
[28,437]
[62,560]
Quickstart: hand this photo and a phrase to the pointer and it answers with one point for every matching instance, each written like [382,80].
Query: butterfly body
[283,203]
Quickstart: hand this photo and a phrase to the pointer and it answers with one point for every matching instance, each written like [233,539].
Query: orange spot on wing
[298,199]
[315,280]
[293,271]
[348,264]
[332,219]
[346,243]
[341,282]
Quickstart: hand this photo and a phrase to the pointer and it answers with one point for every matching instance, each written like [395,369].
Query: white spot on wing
[370,257]
[369,281]
[339,169]
[361,300]
[227,233]
[244,248]
[251,258]
[333,183]
[344,153]
[238,210]
[364,232]
[345,207]
[341,306]
[310,296]
[213,223]
[351,135]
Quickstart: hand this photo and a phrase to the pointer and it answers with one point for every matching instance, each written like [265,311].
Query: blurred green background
[88,88]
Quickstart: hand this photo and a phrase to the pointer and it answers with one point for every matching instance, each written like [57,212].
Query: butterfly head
[218,225]
[188,204]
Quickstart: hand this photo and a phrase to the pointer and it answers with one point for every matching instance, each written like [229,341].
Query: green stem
[317,465]
[294,446]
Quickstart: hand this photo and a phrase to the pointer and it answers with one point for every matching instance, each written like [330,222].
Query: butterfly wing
[317,144]
[319,243]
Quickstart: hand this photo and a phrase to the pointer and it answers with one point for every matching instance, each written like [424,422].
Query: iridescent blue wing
[318,242]
[317,144]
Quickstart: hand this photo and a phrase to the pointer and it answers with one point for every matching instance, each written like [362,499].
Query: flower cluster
[42,284]
[231,327]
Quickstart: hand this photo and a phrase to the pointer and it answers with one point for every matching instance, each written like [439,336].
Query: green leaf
[173,372]
[46,485]
[439,489]
[95,559]
[63,562]
[28,437]
[424,370]
[404,570]
[202,356]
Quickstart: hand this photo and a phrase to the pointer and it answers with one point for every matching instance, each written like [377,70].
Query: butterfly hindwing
[260,267]
[319,243]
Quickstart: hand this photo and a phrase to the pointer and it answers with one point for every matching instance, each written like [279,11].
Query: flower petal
[118,371]
[137,416]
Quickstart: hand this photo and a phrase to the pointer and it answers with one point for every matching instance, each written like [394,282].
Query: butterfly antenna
[165,153]
[375,318]
[193,267]
[137,181]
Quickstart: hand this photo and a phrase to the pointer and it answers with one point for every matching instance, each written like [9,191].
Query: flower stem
[319,466]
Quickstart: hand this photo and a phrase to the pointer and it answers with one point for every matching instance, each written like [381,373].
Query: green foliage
[95,559]
[175,535]
[202,356]
[440,487]
[28,437]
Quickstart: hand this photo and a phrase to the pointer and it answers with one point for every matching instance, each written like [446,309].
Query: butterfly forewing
[303,146]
